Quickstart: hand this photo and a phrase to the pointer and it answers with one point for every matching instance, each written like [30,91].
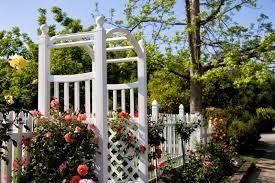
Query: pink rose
[69,118]
[62,167]
[77,129]
[35,113]
[48,134]
[207,164]
[82,117]
[82,170]
[55,104]
[24,161]
[90,126]
[160,164]
[189,152]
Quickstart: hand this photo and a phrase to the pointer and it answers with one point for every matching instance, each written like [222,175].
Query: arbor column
[44,71]
[101,98]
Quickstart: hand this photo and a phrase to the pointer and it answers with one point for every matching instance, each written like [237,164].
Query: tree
[213,39]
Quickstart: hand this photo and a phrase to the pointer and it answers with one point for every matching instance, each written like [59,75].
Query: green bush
[246,134]
[266,118]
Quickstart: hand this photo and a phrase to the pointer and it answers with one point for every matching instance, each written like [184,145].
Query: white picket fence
[15,153]
[171,148]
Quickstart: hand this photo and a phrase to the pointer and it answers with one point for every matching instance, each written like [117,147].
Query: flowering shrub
[125,133]
[63,148]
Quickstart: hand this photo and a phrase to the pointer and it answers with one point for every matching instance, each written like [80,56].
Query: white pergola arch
[94,43]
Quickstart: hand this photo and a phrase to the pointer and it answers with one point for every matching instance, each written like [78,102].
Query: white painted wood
[142,110]
[124,86]
[116,39]
[155,110]
[181,112]
[56,90]
[71,78]
[132,102]
[87,98]
[114,100]
[76,96]
[66,97]
[71,44]
[44,71]
[130,38]
[123,103]
[71,36]
[11,117]
[119,60]
[100,98]
[21,115]
[120,48]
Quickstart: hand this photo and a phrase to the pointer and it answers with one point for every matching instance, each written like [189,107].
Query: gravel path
[265,167]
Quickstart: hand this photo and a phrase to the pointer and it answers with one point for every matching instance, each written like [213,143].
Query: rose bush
[63,148]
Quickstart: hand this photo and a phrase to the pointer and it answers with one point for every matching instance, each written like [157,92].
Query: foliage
[212,161]
[63,146]
[266,118]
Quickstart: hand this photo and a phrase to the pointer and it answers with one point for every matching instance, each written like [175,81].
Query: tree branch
[152,20]
[214,14]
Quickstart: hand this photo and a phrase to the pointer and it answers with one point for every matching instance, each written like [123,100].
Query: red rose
[14,165]
[142,148]
[151,167]
[26,141]
[75,179]
[136,114]
[82,170]
[68,138]
[123,115]
[158,152]
[118,128]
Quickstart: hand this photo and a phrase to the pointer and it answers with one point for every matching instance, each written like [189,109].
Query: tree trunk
[193,21]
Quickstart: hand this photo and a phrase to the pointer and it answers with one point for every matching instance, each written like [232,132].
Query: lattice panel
[123,160]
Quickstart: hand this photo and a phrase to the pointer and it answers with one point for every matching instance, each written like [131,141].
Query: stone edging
[242,173]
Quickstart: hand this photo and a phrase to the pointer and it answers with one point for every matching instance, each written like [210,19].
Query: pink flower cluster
[206,162]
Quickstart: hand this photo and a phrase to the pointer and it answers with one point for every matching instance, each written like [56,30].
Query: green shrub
[266,118]
[246,134]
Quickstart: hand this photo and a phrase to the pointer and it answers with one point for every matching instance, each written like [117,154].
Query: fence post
[142,109]
[181,112]
[101,98]
[155,110]
[44,71]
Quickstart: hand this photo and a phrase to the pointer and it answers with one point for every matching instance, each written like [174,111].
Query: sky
[24,14]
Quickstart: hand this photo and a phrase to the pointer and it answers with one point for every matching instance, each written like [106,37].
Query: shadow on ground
[265,167]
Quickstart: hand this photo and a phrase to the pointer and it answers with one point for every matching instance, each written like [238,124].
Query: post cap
[154,102]
[44,29]
[100,21]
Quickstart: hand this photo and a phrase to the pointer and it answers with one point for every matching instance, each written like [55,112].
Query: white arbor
[95,43]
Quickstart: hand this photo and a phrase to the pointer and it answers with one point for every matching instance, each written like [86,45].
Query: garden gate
[95,43]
